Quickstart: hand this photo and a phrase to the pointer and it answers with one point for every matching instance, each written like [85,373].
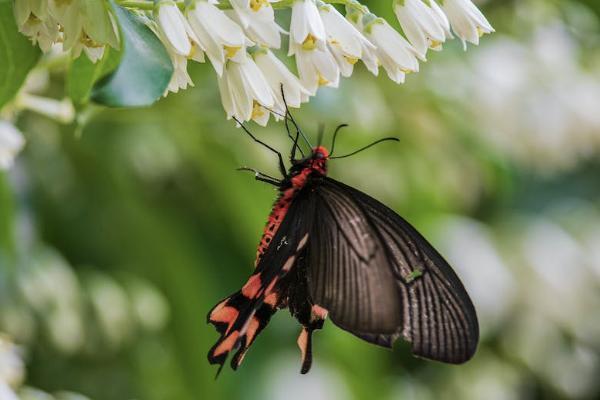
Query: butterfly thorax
[301,172]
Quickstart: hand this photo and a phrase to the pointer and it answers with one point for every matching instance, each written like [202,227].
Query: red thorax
[301,171]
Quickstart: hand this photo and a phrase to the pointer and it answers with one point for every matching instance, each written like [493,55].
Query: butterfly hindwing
[360,247]
[240,317]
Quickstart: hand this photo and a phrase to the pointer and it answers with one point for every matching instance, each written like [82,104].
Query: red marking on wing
[227,344]
[272,299]
[269,289]
[318,312]
[252,287]
[226,315]
[252,329]
[289,263]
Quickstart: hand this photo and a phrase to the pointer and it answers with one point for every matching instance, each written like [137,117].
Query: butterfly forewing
[363,246]
[343,269]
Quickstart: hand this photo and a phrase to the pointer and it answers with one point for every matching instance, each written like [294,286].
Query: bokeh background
[122,230]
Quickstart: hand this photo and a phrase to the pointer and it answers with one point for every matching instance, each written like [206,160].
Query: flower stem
[148,5]
[139,4]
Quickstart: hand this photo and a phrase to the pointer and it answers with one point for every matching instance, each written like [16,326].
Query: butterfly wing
[380,279]
[240,317]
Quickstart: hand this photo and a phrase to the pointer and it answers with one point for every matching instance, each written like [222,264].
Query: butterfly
[331,251]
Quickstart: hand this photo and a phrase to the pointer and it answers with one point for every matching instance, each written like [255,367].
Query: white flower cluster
[80,25]
[239,36]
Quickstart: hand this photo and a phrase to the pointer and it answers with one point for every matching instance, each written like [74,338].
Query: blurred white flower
[12,369]
[278,77]
[35,21]
[346,43]
[244,91]
[112,308]
[219,36]
[284,382]
[59,110]
[85,26]
[422,25]
[149,306]
[11,143]
[395,54]
[470,249]
[257,17]
[468,23]
[174,27]
[50,287]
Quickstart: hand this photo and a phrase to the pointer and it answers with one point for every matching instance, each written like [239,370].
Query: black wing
[380,279]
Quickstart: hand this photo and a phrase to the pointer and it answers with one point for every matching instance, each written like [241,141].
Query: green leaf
[17,55]
[145,69]
[83,74]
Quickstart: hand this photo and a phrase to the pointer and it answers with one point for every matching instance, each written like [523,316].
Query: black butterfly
[329,250]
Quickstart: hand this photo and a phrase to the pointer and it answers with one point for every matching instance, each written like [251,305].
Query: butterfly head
[318,160]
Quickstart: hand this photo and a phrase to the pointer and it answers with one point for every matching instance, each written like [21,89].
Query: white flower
[316,67]
[441,18]
[174,27]
[394,53]
[86,26]
[11,143]
[35,22]
[257,17]
[278,77]
[244,90]
[468,23]
[306,26]
[180,79]
[220,37]
[420,25]
[316,64]
[346,43]
[42,32]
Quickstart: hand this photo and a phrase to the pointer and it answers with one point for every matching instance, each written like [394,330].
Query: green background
[122,230]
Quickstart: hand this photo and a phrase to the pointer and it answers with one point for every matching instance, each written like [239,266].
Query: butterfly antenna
[335,137]
[287,127]
[281,164]
[293,121]
[367,146]
[321,133]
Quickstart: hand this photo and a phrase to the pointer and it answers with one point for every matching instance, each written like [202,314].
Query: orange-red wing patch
[252,329]
[225,315]
[226,345]
[252,287]
[272,299]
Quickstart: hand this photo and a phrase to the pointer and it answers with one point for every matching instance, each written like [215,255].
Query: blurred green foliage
[120,232]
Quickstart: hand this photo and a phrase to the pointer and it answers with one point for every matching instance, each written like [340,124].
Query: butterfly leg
[280,157]
[259,176]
